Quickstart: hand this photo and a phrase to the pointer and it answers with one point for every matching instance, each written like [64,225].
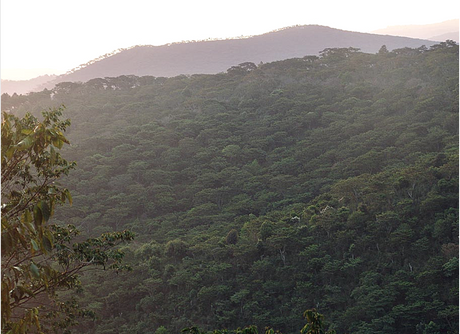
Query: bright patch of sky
[54,36]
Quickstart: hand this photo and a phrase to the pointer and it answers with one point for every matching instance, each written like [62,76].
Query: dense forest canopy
[327,182]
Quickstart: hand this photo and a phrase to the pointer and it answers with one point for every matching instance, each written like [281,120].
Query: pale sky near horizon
[54,36]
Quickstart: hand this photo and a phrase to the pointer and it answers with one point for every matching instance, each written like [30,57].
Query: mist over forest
[234,201]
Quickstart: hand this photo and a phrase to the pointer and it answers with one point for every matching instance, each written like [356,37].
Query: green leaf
[34,270]
[26,217]
[68,195]
[45,209]
[26,143]
[47,244]
[34,245]
[10,152]
[58,143]
[38,217]
[52,155]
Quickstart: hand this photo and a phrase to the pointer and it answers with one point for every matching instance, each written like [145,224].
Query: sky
[54,36]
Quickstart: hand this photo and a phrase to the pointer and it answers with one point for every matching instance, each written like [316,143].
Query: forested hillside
[327,182]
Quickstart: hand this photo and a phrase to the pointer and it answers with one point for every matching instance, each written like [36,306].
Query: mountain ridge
[218,55]
[214,56]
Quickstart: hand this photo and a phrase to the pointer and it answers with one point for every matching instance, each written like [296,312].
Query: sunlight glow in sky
[54,36]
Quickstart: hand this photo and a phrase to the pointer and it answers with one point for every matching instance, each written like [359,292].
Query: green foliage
[244,330]
[314,323]
[30,167]
[232,237]
[329,181]
[38,258]
[161,330]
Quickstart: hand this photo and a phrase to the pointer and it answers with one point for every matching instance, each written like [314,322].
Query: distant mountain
[214,56]
[452,36]
[434,32]
[25,86]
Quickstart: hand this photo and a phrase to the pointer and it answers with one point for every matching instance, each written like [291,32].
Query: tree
[38,258]
[242,68]
[314,323]
[383,50]
[232,237]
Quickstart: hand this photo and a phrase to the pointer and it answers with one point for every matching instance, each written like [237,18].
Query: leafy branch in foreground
[40,259]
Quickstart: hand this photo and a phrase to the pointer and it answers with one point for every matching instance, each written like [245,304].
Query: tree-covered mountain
[325,181]
[214,56]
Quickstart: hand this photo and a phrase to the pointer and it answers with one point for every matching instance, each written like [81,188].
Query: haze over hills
[214,56]
[433,32]
[25,86]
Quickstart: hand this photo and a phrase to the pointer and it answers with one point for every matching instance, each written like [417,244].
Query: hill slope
[327,182]
[209,57]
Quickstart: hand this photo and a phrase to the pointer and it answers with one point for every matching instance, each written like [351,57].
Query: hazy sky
[53,36]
